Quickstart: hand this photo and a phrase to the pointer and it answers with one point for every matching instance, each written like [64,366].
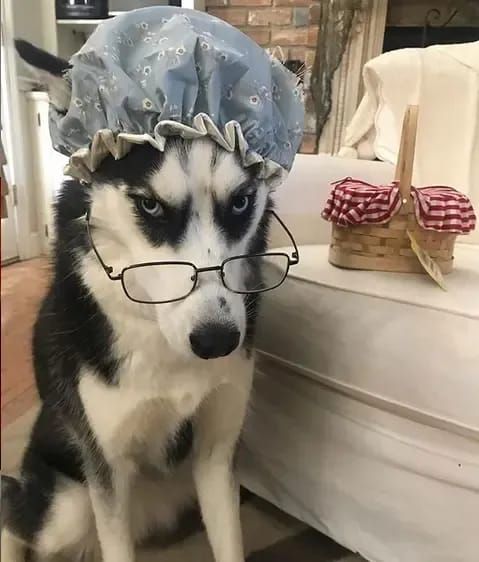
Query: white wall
[26,18]
[31,20]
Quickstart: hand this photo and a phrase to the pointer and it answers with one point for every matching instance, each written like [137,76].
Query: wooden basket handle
[405,163]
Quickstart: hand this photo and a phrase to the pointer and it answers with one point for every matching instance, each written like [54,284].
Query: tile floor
[270,535]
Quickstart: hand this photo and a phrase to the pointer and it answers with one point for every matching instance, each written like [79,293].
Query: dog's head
[195,203]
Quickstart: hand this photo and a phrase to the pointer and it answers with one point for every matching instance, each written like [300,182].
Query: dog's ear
[49,71]
[272,181]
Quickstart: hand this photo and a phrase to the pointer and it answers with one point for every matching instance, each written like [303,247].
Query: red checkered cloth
[444,209]
[354,202]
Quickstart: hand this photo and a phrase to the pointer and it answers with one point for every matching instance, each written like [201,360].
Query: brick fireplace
[289,24]
[313,32]
[294,26]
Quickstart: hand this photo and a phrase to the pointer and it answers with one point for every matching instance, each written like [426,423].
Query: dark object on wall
[454,22]
[81,9]
[402,37]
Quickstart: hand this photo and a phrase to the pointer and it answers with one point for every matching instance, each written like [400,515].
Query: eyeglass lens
[241,274]
[159,282]
[168,282]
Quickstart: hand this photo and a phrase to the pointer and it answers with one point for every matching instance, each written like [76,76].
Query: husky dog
[135,424]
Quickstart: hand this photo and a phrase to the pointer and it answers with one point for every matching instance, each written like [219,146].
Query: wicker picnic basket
[387,246]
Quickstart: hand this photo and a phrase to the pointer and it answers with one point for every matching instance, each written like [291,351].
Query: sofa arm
[301,199]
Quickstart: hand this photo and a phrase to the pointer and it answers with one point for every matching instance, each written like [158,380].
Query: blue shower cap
[161,71]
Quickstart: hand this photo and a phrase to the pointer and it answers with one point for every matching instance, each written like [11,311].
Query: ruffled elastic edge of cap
[84,161]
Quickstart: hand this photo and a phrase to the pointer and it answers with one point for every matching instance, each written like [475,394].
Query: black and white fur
[134,426]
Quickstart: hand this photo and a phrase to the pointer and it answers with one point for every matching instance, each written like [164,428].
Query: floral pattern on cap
[161,71]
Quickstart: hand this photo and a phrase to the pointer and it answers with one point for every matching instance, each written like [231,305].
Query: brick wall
[289,24]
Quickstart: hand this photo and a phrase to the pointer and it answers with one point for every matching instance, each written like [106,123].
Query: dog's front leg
[217,429]
[110,496]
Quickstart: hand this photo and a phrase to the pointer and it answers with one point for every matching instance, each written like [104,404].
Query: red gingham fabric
[356,202]
[439,208]
[444,209]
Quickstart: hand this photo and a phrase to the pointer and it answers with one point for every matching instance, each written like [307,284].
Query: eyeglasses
[170,281]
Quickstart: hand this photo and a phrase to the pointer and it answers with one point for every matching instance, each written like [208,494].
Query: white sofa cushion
[396,341]
[302,198]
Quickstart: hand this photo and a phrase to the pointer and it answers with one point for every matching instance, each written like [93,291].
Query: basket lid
[441,208]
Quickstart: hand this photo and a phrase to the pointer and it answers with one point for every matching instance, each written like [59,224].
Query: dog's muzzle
[212,340]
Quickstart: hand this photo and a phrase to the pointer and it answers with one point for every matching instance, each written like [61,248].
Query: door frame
[9,235]
[18,160]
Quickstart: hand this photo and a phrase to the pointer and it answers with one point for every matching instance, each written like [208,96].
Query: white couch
[364,420]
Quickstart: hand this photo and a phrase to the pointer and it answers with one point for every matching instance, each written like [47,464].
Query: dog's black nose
[214,340]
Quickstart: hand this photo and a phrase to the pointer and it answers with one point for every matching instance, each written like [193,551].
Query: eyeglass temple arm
[107,268]
[294,259]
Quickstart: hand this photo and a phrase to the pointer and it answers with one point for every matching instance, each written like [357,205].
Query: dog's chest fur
[145,409]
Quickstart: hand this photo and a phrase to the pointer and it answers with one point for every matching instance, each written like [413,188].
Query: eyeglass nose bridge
[218,268]
[210,268]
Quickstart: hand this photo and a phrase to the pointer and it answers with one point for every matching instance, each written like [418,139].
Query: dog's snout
[214,340]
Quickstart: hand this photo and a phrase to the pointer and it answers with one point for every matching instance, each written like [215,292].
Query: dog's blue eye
[240,204]
[151,207]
